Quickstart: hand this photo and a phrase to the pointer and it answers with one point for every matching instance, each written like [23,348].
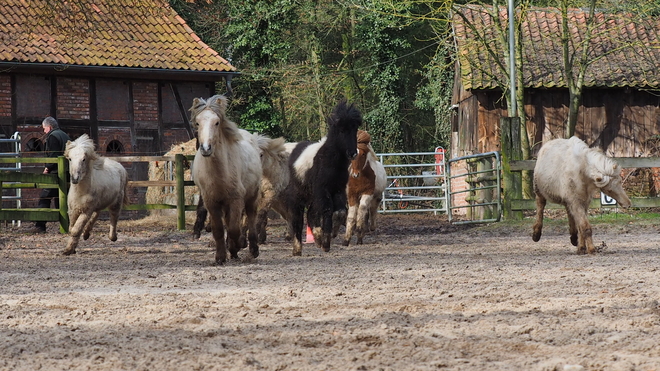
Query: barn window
[115,146]
[34,145]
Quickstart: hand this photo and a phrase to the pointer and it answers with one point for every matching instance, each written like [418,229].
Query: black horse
[319,175]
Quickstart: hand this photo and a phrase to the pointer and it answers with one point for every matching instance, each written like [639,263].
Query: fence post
[180,192]
[511,151]
[62,171]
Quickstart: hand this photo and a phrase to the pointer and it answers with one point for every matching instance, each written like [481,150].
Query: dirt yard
[419,295]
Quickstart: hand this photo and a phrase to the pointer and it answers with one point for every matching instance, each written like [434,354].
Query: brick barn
[123,71]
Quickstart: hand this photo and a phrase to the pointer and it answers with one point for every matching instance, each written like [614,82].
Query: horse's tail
[126,200]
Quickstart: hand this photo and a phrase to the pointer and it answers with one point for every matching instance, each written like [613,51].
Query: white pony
[273,185]
[97,183]
[227,170]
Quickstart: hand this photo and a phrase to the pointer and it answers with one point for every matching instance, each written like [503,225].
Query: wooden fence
[13,180]
[625,162]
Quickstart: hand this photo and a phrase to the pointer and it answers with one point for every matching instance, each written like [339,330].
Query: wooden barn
[125,72]
[620,109]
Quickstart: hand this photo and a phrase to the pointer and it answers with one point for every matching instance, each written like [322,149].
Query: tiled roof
[111,33]
[623,53]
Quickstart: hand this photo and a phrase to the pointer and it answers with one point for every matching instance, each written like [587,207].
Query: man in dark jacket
[54,147]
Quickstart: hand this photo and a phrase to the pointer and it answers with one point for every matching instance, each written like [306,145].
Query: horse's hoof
[69,252]
[346,242]
[574,240]
[86,236]
[297,253]
[113,239]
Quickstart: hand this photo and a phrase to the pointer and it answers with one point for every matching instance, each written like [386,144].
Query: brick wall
[172,137]
[73,99]
[108,134]
[145,105]
[5,96]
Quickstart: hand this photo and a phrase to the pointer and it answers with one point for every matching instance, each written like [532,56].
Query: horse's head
[207,126]
[81,155]
[342,128]
[209,120]
[360,161]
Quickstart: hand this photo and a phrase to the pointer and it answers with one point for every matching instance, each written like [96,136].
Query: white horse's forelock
[84,143]
[206,110]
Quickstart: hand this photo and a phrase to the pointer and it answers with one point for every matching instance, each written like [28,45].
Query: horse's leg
[327,214]
[90,224]
[218,230]
[264,205]
[76,228]
[261,224]
[201,218]
[350,223]
[572,228]
[251,216]
[585,242]
[114,218]
[350,219]
[234,219]
[373,212]
[297,216]
[338,219]
[363,217]
[314,224]
[283,210]
[339,202]
[538,225]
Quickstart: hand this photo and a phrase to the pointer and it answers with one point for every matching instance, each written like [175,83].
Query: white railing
[416,182]
[15,151]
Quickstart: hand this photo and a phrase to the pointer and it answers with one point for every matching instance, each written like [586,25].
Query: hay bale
[159,170]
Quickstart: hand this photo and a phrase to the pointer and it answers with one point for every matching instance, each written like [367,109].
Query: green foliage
[298,58]
[261,117]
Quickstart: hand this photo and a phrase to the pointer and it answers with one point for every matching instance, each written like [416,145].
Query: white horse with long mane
[227,170]
[97,183]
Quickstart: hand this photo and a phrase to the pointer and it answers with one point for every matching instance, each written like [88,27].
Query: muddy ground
[421,294]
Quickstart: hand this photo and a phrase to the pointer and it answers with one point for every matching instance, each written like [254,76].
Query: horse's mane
[595,157]
[84,142]
[344,114]
[363,137]
[217,104]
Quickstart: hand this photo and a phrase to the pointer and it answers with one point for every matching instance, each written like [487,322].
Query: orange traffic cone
[310,236]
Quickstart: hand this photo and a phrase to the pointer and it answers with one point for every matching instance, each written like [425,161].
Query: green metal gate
[474,186]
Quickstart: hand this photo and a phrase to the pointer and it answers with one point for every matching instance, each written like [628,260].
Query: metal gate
[416,182]
[13,147]
[474,188]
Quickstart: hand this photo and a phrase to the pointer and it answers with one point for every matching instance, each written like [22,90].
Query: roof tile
[109,36]
[624,53]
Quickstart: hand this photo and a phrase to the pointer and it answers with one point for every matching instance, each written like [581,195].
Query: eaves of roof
[107,35]
[114,72]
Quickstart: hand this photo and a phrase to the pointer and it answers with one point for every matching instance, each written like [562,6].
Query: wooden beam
[594,204]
